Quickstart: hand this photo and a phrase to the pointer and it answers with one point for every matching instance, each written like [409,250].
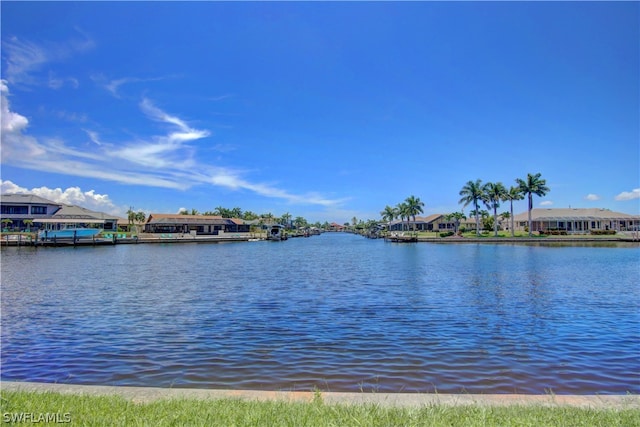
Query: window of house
[38,210]
[15,210]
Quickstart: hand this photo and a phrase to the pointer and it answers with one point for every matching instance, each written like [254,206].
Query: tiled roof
[180,216]
[77,212]
[191,219]
[26,198]
[419,219]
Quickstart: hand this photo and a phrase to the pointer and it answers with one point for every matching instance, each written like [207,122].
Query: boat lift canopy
[69,221]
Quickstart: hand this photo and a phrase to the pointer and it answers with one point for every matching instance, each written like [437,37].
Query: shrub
[602,232]
[447,234]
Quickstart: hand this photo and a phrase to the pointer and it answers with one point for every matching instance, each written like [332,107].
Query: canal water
[335,312]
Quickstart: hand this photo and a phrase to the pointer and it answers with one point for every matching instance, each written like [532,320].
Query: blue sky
[325,110]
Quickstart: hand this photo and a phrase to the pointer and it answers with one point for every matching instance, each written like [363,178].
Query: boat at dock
[401,238]
[68,231]
[276,233]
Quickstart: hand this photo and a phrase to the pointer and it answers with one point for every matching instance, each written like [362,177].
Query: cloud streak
[23,57]
[166,160]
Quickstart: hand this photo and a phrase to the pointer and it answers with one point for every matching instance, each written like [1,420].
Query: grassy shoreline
[23,407]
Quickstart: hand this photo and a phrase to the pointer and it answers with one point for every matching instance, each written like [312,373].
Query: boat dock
[401,238]
[25,239]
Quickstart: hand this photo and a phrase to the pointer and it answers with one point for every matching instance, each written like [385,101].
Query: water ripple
[336,312]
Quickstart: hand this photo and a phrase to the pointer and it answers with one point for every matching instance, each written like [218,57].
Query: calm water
[337,312]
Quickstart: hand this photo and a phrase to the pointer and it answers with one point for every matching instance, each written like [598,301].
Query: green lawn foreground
[89,410]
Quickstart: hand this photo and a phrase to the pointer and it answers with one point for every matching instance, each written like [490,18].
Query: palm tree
[514,193]
[268,218]
[471,193]
[494,193]
[414,207]
[532,185]
[131,216]
[5,224]
[456,217]
[286,217]
[223,212]
[403,213]
[388,214]
[300,222]
[249,215]
[140,217]
[28,223]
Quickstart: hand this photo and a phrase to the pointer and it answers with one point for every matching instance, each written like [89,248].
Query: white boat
[276,233]
[68,231]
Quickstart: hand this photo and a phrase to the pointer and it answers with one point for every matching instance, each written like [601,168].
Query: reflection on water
[336,311]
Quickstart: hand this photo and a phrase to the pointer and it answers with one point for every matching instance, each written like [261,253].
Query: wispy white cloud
[59,82]
[592,197]
[24,57]
[93,136]
[546,203]
[220,98]
[113,86]
[225,148]
[71,116]
[629,195]
[164,151]
[166,160]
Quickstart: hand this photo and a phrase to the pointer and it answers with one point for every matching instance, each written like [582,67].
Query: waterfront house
[334,226]
[28,207]
[434,222]
[576,221]
[208,225]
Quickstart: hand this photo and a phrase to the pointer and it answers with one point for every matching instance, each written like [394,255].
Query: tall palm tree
[388,214]
[514,193]
[131,216]
[414,207]
[300,222]
[140,217]
[403,212]
[494,193]
[222,211]
[532,185]
[249,215]
[472,193]
[286,218]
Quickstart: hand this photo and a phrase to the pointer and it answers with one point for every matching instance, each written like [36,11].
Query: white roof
[574,214]
[69,221]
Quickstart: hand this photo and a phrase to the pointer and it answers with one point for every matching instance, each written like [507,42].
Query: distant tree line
[285,219]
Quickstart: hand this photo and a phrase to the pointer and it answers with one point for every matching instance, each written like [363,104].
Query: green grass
[114,410]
